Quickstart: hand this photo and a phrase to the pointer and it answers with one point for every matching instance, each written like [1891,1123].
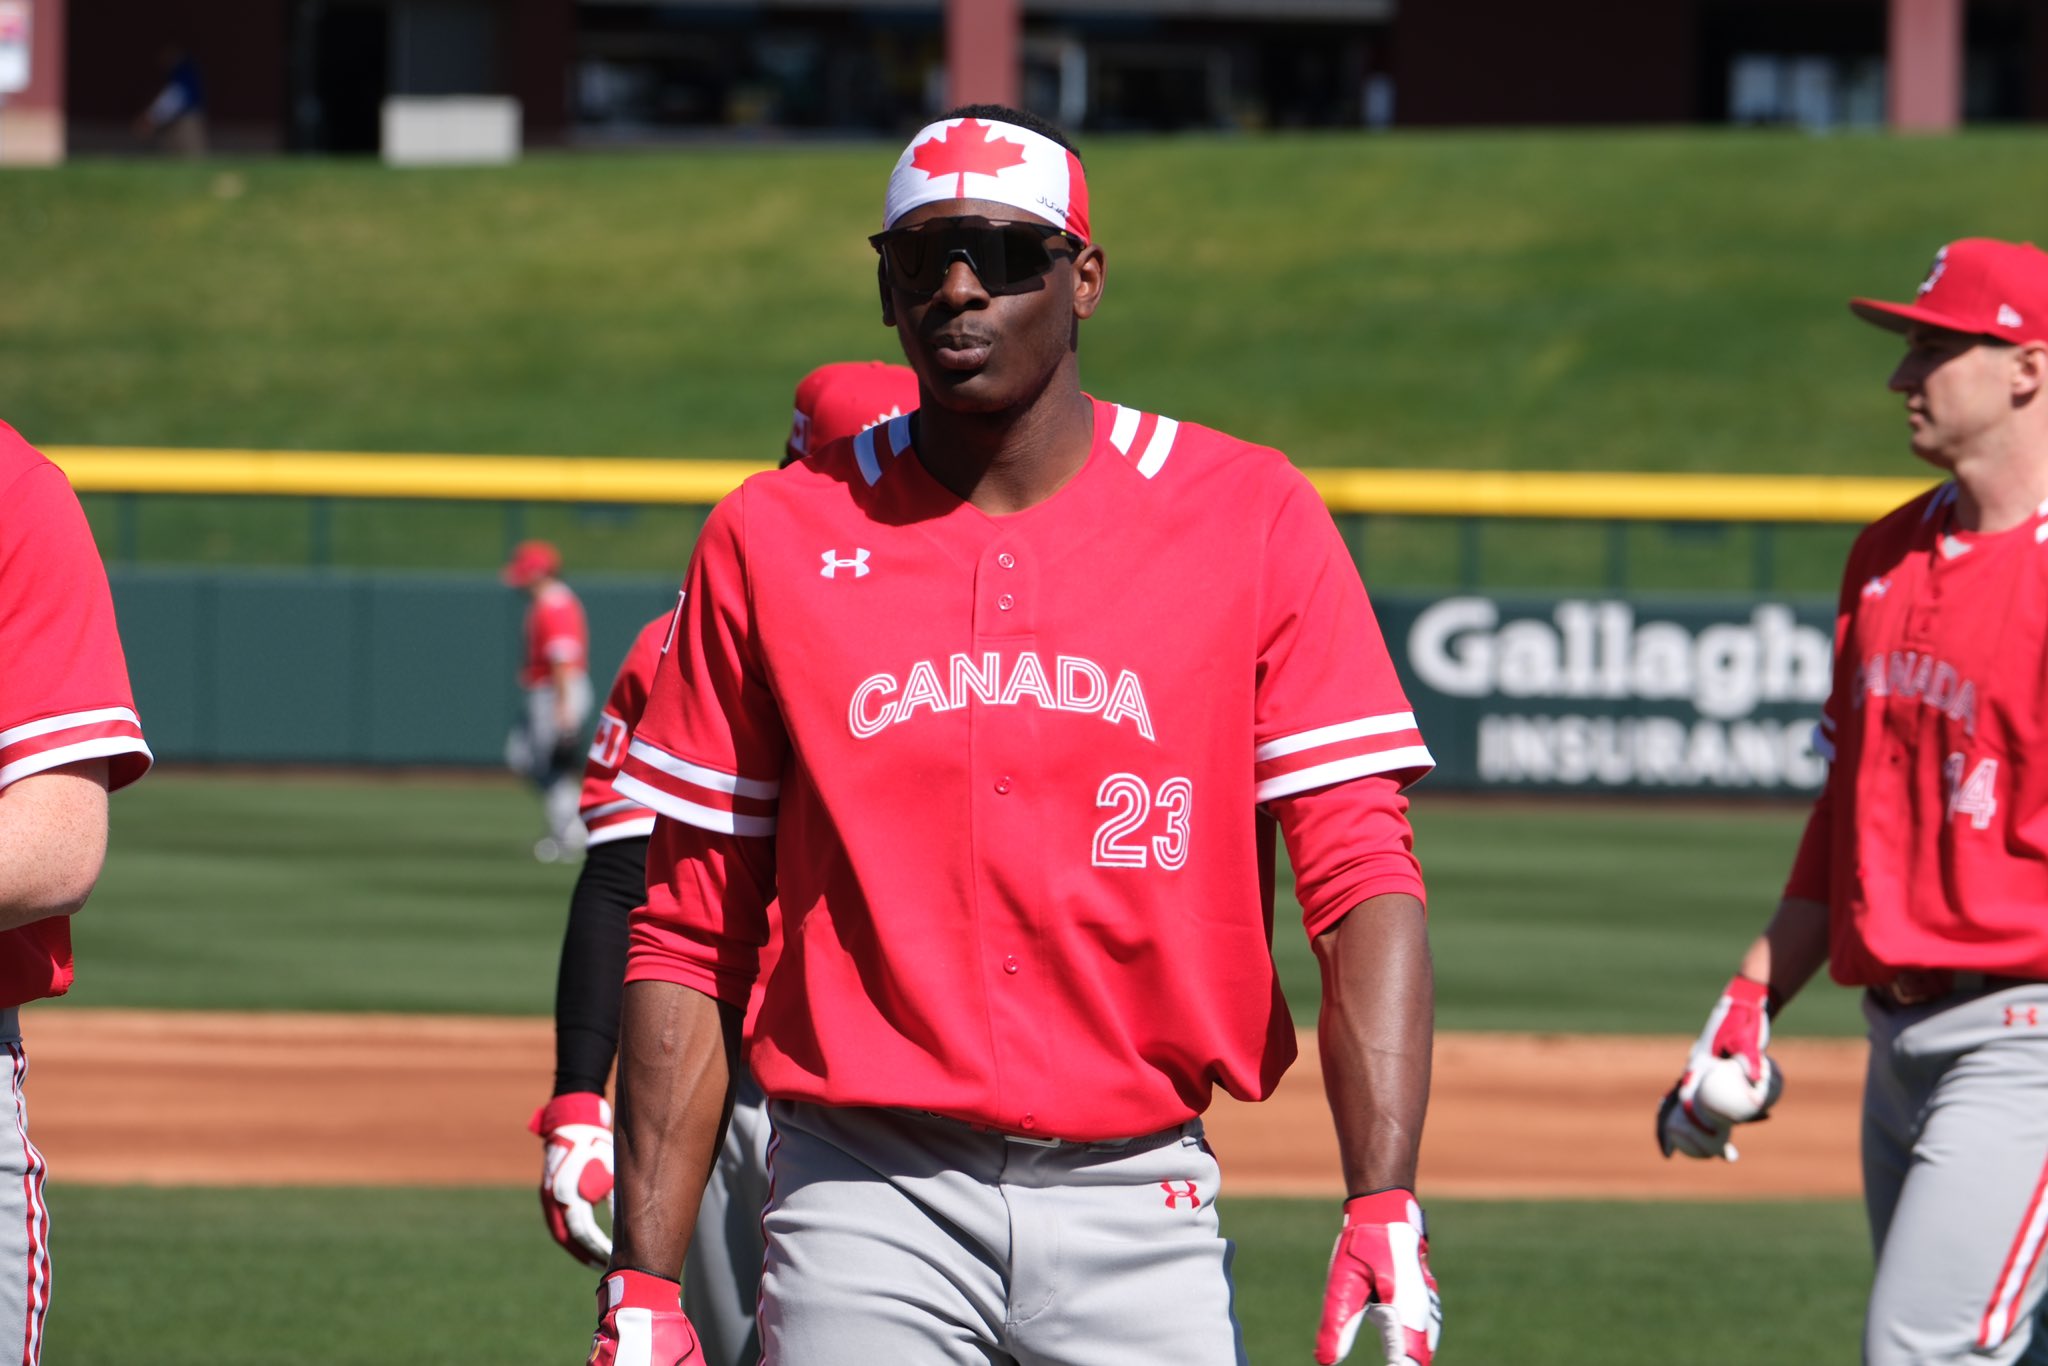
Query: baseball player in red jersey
[1004,701]
[721,1282]
[1923,874]
[68,737]
[554,673]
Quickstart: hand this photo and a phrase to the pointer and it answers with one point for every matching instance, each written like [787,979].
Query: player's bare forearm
[677,1052]
[1791,948]
[53,839]
[1375,1032]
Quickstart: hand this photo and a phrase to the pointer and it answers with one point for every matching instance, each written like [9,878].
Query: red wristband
[629,1289]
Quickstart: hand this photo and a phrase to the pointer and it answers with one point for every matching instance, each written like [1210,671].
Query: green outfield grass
[322,893]
[1591,300]
[1666,300]
[338,1278]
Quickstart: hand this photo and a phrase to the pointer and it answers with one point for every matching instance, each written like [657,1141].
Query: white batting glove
[576,1172]
[1379,1273]
[1738,1028]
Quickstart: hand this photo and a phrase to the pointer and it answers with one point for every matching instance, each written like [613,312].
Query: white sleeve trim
[689,813]
[1342,770]
[709,778]
[30,729]
[864,456]
[104,747]
[1383,724]
[607,809]
[1124,428]
[1159,447]
[624,830]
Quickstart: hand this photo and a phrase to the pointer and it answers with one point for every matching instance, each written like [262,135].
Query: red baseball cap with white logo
[531,561]
[846,398]
[1977,285]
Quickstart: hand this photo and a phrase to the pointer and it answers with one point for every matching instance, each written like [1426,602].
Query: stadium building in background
[315,75]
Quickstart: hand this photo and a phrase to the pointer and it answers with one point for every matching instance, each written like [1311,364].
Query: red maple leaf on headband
[964,148]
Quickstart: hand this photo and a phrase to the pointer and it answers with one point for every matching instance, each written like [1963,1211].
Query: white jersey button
[1005,602]
[1007,560]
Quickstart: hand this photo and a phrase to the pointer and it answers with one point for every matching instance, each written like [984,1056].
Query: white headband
[982,159]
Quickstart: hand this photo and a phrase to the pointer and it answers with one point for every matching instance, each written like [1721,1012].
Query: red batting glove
[1738,1027]
[576,1172]
[1379,1270]
[641,1323]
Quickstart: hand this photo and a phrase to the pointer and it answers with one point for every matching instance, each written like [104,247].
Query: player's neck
[1009,461]
[2000,486]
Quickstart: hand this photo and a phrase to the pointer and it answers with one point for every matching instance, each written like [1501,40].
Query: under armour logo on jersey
[2030,1016]
[1877,588]
[1187,1193]
[833,564]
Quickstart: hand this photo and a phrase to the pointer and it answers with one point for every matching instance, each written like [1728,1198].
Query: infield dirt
[209,1098]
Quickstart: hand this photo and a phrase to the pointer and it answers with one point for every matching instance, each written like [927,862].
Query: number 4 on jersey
[1975,796]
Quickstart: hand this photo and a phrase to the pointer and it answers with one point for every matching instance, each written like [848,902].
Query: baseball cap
[531,560]
[846,398]
[1977,285]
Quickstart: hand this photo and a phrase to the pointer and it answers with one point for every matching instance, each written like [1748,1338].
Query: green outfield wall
[280,666]
[1586,692]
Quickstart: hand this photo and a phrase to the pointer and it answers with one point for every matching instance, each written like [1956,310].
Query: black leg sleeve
[593,973]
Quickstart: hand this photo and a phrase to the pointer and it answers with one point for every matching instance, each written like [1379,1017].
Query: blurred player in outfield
[1923,875]
[175,120]
[68,737]
[722,1278]
[554,674]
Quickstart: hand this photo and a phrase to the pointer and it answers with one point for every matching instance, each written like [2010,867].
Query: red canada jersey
[555,634]
[1022,775]
[605,814]
[1929,841]
[63,680]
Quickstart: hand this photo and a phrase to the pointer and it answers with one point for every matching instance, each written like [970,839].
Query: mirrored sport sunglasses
[1002,255]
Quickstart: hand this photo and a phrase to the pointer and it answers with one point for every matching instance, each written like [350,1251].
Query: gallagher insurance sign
[1616,694]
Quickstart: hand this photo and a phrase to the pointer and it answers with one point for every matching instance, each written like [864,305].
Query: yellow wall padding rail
[564,479]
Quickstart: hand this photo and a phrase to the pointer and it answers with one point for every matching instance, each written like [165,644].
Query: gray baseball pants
[1955,1178]
[900,1237]
[722,1274]
[24,1218]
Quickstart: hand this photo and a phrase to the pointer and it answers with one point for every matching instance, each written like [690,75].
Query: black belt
[1918,986]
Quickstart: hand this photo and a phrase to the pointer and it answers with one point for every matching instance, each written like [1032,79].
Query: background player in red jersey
[1004,701]
[1923,874]
[68,736]
[721,1282]
[554,674]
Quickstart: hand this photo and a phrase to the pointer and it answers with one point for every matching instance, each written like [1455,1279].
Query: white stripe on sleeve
[1384,724]
[105,747]
[1343,770]
[690,813]
[30,729]
[697,774]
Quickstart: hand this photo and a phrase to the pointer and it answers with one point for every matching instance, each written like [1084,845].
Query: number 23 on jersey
[1123,840]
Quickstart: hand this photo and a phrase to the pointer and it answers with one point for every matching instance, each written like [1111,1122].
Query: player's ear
[888,305]
[2030,370]
[1090,268]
